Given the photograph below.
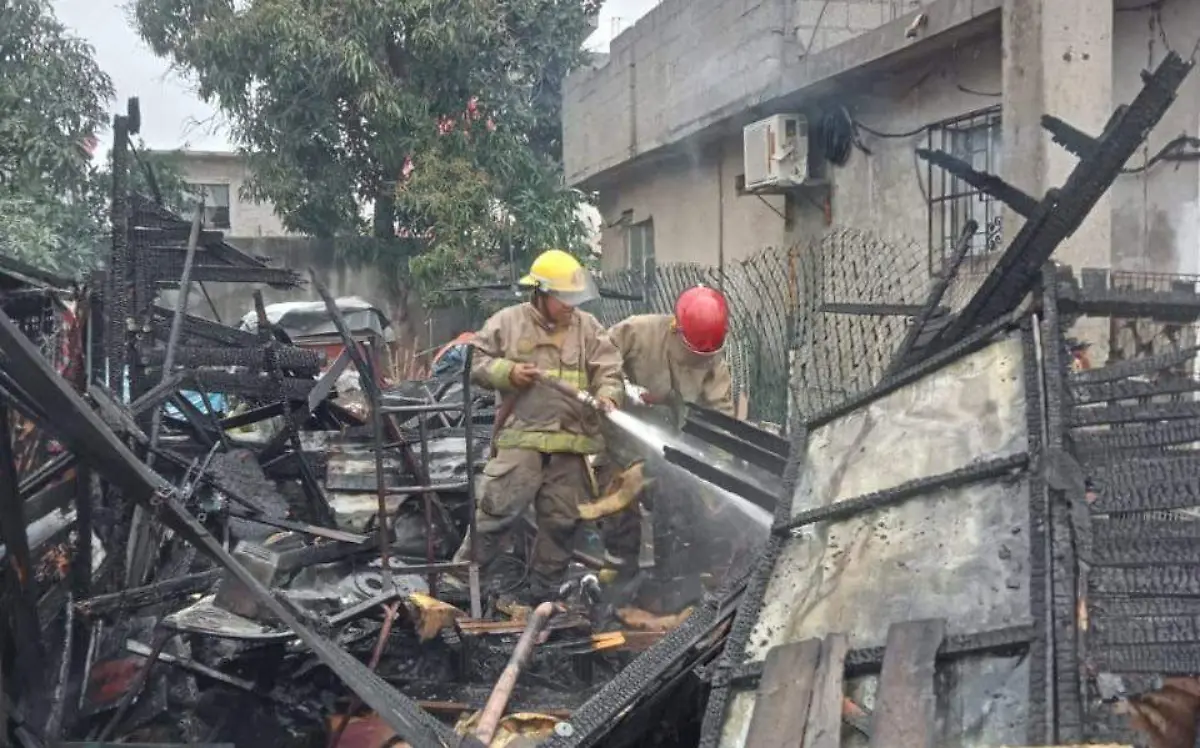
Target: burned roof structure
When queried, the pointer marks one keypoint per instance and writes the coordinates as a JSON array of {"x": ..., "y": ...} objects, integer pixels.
[{"x": 986, "y": 548}]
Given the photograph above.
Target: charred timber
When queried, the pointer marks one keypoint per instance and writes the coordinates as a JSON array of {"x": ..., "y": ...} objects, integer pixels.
[{"x": 295, "y": 359}]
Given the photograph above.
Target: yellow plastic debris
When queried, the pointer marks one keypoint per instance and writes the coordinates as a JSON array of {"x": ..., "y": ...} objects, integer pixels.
[
  {"x": 431, "y": 615},
  {"x": 628, "y": 484}
]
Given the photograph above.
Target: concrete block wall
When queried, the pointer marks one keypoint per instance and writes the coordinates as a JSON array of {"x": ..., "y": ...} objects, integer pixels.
[
  {"x": 683, "y": 65},
  {"x": 821, "y": 24},
  {"x": 688, "y": 63}
]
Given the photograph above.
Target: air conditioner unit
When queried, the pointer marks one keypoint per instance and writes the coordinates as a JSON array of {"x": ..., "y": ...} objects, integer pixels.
[{"x": 775, "y": 151}]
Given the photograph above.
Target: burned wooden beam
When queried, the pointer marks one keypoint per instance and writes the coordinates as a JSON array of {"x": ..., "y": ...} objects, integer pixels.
[{"x": 152, "y": 594}]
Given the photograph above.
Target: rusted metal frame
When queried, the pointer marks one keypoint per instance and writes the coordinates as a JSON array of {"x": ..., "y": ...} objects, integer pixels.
[
  {"x": 318, "y": 503},
  {"x": 974, "y": 473},
  {"x": 87, "y": 435},
  {"x": 366, "y": 374},
  {"x": 468, "y": 413},
  {"x": 1068, "y": 570},
  {"x": 21, "y": 583}
]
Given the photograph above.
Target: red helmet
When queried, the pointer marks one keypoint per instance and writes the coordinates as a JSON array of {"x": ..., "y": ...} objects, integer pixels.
[{"x": 702, "y": 319}]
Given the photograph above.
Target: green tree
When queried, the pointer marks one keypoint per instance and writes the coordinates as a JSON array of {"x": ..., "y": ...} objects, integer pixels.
[
  {"x": 53, "y": 100},
  {"x": 439, "y": 118}
]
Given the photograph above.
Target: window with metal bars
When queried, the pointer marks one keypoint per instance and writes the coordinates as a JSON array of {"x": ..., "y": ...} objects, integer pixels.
[
  {"x": 976, "y": 139},
  {"x": 639, "y": 248}
]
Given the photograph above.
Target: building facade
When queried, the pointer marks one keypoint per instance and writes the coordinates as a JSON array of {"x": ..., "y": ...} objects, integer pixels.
[
  {"x": 655, "y": 127},
  {"x": 220, "y": 176}
]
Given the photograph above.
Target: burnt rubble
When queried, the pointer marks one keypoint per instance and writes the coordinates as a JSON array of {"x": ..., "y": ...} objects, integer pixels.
[
  {"x": 220, "y": 535},
  {"x": 216, "y": 535}
]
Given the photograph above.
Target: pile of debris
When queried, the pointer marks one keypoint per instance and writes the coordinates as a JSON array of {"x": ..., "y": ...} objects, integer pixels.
[{"x": 220, "y": 535}]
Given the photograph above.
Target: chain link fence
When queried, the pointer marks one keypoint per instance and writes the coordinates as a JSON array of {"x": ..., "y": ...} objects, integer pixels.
[{"x": 812, "y": 325}]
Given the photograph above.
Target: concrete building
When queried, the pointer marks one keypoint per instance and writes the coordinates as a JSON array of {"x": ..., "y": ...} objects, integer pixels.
[
  {"x": 656, "y": 126},
  {"x": 221, "y": 175}
]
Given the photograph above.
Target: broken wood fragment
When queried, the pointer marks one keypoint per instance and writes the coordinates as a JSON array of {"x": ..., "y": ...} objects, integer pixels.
[
  {"x": 784, "y": 693},
  {"x": 904, "y": 712},
  {"x": 824, "y": 729}
]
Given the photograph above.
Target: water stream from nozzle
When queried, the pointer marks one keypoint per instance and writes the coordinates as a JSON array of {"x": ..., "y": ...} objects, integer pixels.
[{"x": 655, "y": 437}]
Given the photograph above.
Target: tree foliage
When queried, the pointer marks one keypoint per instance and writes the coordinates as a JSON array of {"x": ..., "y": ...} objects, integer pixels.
[
  {"x": 444, "y": 115},
  {"x": 53, "y": 99}
]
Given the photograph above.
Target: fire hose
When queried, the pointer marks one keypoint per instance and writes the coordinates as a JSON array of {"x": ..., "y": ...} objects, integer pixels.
[{"x": 493, "y": 711}]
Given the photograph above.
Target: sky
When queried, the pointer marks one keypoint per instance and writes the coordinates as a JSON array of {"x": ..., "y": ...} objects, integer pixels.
[{"x": 173, "y": 116}]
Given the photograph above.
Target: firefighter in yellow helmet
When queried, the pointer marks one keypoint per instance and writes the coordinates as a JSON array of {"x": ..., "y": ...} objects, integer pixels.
[{"x": 542, "y": 438}]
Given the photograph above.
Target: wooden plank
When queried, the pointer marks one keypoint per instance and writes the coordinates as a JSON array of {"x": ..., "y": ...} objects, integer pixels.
[
  {"x": 825, "y": 712},
  {"x": 904, "y": 712},
  {"x": 781, "y": 705}
]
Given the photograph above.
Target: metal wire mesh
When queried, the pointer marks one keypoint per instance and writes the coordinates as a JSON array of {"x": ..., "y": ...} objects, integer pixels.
[{"x": 784, "y": 342}]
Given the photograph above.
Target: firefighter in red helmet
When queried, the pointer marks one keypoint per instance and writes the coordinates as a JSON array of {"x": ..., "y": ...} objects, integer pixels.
[
  {"x": 669, "y": 359},
  {"x": 677, "y": 358}
]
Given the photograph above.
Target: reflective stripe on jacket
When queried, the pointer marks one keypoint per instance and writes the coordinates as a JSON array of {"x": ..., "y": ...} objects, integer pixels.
[
  {"x": 580, "y": 354},
  {"x": 655, "y": 358}
]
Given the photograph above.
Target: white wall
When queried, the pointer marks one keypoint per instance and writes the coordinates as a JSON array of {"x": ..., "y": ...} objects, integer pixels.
[{"x": 246, "y": 219}]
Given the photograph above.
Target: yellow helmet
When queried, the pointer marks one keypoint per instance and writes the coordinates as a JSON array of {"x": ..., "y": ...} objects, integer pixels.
[{"x": 560, "y": 275}]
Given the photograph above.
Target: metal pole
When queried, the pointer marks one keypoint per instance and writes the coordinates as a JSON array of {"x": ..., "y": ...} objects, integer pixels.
[
  {"x": 376, "y": 398},
  {"x": 185, "y": 287},
  {"x": 469, "y": 439}
]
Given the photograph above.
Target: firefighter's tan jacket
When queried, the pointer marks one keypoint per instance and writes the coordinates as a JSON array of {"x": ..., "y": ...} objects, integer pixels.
[
  {"x": 655, "y": 358},
  {"x": 580, "y": 354}
]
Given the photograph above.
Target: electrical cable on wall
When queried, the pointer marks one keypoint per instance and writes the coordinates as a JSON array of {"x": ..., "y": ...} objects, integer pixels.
[
  {"x": 840, "y": 133},
  {"x": 1172, "y": 151}
]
